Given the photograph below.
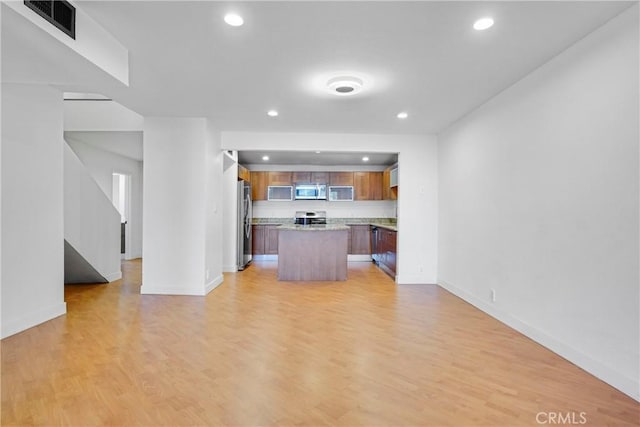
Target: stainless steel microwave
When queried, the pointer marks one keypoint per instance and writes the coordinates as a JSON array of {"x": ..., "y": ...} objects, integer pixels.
[{"x": 311, "y": 192}]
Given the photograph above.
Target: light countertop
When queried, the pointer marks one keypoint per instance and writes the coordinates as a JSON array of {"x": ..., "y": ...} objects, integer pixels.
[{"x": 314, "y": 227}]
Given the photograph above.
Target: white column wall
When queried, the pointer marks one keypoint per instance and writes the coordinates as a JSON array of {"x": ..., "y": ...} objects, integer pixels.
[
  {"x": 214, "y": 214},
  {"x": 539, "y": 202},
  {"x": 32, "y": 206},
  {"x": 230, "y": 218},
  {"x": 417, "y": 180},
  {"x": 175, "y": 198}
]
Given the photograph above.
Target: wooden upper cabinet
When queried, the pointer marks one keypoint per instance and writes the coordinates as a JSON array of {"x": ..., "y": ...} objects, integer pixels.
[
  {"x": 375, "y": 185},
  {"x": 340, "y": 178},
  {"x": 279, "y": 178},
  {"x": 301, "y": 177},
  {"x": 367, "y": 185},
  {"x": 388, "y": 193},
  {"x": 259, "y": 184},
  {"x": 361, "y": 186},
  {"x": 319, "y": 177},
  {"x": 243, "y": 173},
  {"x": 310, "y": 177}
]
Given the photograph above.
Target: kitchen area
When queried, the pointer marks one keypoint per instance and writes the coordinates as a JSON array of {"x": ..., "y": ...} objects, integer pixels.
[{"x": 331, "y": 214}]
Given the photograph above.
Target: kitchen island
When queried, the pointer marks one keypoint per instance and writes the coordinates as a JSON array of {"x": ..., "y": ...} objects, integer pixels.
[{"x": 312, "y": 252}]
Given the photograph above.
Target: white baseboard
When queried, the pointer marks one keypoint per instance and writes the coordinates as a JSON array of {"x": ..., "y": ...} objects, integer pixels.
[
  {"x": 230, "y": 268},
  {"x": 213, "y": 284},
  {"x": 627, "y": 385},
  {"x": 265, "y": 257},
  {"x": 413, "y": 279},
  {"x": 113, "y": 276},
  {"x": 358, "y": 258},
  {"x": 29, "y": 320}
]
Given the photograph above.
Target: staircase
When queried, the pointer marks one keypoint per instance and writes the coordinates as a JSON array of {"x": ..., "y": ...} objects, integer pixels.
[{"x": 91, "y": 227}]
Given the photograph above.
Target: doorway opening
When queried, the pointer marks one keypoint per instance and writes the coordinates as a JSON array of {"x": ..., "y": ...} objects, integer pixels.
[{"x": 121, "y": 199}]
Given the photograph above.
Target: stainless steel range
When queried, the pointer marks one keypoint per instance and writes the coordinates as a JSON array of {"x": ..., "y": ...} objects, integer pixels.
[{"x": 311, "y": 217}]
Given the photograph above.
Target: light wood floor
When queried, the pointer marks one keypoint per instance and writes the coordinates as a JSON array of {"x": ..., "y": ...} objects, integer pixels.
[{"x": 260, "y": 352}]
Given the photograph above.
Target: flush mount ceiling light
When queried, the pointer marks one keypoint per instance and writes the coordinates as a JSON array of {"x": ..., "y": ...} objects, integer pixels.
[
  {"x": 233, "y": 19},
  {"x": 272, "y": 113},
  {"x": 483, "y": 23},
  {"x": 402, "y": 115},
  {"x": 265, "y": 158},
  {"x": 345, "y": 85},
  {"x": 342, "y": 83},
  {"x": 365, "y": 159}
]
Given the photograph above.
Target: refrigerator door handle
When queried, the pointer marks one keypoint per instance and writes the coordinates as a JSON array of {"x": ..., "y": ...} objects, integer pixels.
[{"x": 248, "y": 216}]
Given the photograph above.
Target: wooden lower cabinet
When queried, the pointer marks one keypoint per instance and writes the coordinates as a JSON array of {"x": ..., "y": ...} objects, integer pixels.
[
  {"x": 386, "y": 253},
  {"x": 271, "y": 240},
  {"x": 265, "y": 239},
  {"x": 360, "y": 240}
]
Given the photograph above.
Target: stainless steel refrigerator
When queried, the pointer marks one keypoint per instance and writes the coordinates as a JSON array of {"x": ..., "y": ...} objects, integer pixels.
[{"x": 244, "y": 224}]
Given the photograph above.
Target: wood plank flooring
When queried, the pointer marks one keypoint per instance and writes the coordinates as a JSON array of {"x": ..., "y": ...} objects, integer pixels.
[{"x": 258, "y": 352}]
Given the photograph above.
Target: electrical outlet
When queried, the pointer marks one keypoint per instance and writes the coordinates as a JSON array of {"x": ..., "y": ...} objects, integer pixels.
[{"x": 493, "y": 295}]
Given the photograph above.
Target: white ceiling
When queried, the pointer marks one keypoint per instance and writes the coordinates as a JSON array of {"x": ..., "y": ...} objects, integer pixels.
[{"x": 424, "y": 57}]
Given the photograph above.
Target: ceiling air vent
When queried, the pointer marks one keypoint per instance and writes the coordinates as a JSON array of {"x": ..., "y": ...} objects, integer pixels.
[{"x": 59, "y": 12}]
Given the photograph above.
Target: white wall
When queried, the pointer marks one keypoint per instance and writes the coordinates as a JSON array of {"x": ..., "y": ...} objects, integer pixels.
[
  {"x": 178, "y": 215},
  {"x": 91, "y": 222},
  {"x": 32, "y": 210},
  {"x": 100, "y": 116},
  {"x": 101, "y": 165},
  {"x": 539, "y": 201},
  {"x": 417, "y": 179},
  {"x": 92, "y": 41}
]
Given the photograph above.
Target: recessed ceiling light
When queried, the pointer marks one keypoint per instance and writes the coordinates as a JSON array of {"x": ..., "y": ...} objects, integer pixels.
[
  {"x": 402, "y": 115},
  {"x": 317, "y": 152},
  {"x": 365, "y": 159},
  {"x": 272, "y": 113},
  {"x": 483, "y": 24},
  {"x": 233, "y": 19},
  {"x": 344, "y": 85},
  {"x": 265, "y": 158}
]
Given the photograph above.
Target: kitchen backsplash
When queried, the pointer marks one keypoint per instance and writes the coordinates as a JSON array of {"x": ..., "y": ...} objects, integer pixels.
[
  {"x": 357, "y": 209},
  {"x": 350, "y": 221}
]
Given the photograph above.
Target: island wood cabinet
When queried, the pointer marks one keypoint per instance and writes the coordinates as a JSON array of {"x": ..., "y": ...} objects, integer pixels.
[
  {"x": 312, "y": 254},
  {"x": 265, "y": 239}
]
